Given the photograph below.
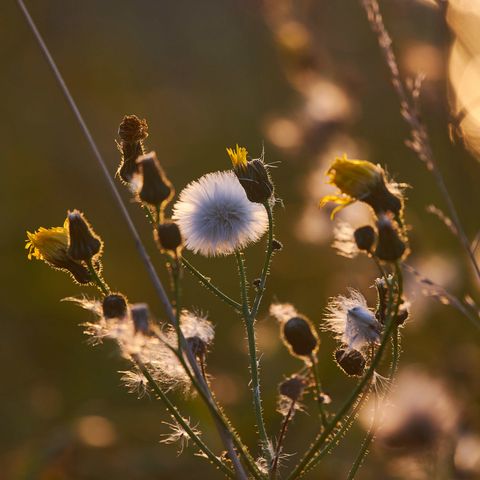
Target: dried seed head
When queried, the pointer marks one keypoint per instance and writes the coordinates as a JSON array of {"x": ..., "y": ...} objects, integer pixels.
[
  {"x": 365, "y": 238},
  {"x": 293, "y": 387},
  {"x": 114, "y": 306},
  {"x": 156, "y": 189},
  {"x": 141, "y": 317},
  {"x": 252, "y": 175},
  {"x": 299, "y": 336},
  {"x": 350, "y": 361},
  {"x": 390, "y": 247},
  {"x": 133, "y": 129},
  {"x": 84, "y": 244},
  {"x": 168, "y": 237}
]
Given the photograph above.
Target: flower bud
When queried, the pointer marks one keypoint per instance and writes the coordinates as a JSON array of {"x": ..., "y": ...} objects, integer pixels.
[
  {"x": 293, "y": 387},
  {"x": 132, "y": 132},
  {"x": 351, "y": 362},
  {"x": 390, "y": 247},
  {"x": 141, "y": 318},
  {"x": 168, "y": 237},
  {"x": 114, "y": 306},
  {"x": 156, "y": 188},
  {"x": 252, "y": 175},
  {"x": 364, "y": 238},
  {"x": 84, "y": 244},
  {"x": 299, "y": 336}
]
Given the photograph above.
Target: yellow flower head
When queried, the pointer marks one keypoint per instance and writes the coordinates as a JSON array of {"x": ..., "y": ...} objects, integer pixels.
[
  {"x": 48, "y": 244},
  {"x": 238, "y": 157},
  {"x": 360, "y": 180}
]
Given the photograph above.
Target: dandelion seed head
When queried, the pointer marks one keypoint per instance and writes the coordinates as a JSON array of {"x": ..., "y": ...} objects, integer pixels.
[
  {"x": 135, "y": 382},
  {"x": 352, "y": 322},
  {"x": 216, "y": 217},
  {"x": 194, "y": 324},
  {"x": 178, "y": 434}
]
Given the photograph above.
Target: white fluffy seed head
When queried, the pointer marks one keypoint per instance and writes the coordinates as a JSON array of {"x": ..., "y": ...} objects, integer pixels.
[
  {"x": 344, "y": 240},
  {"x": 283, "y": 311},
  {"x": 216, "y": 217},
  {"x": 196, "y": 325},
  {"x": 352, "y": 322}
]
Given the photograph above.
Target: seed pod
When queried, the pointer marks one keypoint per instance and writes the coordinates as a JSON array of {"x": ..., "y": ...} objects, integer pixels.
[
  {"x": 156, "y": 189},
  {"x": 299, "y": 336},
  {"x": 141, "y": 318},
  {"x": 390, "y": 246},
  {"x": 293, "y": 387},
  {"x": 351, "y": 362},
  {"x": 168, "y": 236},
  {"x": 365, "y": 238},
  {"x": 114, "y": 306},
  {"x": 84, "y": 244}
]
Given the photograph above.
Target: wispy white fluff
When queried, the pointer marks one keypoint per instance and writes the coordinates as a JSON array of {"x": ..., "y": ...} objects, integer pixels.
[
  {"x": 196, "y": 325},
  {"x": 344, "y": 240},
  {"x": 353, "y": 323},
  {"x": 216, "y": 217},
  {"x": 283, "y": 311}
]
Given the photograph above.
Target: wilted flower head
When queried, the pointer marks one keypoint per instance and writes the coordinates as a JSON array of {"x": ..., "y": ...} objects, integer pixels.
[
  {"x": 352, "y": 322},
  {"x": 215, "y": 216},
  {"x": 252, "y": 175},
  {"x": 418, "y": 413},
  {"x": 364, "y": 181},
  {"x": 168, "y": 238},
  {"x": 51, "y": 245}
]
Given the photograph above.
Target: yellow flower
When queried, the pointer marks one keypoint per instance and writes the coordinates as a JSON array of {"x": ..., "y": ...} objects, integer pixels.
[
  {"x": 51, "y": 246},
  {"x": 238, "y": 157},
  {"x": 360, "y": 180}
]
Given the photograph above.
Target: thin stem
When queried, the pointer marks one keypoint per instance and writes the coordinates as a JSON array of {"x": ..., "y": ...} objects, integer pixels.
[
  {"x": 207, "y": 283},
  {"x": 281, "y": 437},
  {"x": 252, "y": 350},
  {"x": 366, "y": 442},
  {"x": 99, "y": 282},
  {"x": 178, "y": 418},
  {"x": 157, "y": 284},
  {"x": 411, "y": 115},
  {"x": 318, "y": 389},
  {"x": 267, "y": 262}
]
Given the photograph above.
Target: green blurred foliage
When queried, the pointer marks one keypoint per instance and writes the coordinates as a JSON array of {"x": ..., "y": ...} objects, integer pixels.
[{"x": 205, "y": 76}]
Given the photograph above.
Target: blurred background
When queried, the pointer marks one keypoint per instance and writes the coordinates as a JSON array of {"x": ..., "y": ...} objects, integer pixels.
[{"x": 306, "y": 80}]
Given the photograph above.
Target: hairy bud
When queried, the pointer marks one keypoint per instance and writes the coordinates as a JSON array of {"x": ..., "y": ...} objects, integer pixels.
[
  {"x": 365, "y": 238},
  {"x": 390, "y": 247},
  {"x": 114, "y": 306},
  {"x": 293, "y": 387},
  {"x": 84, "y": 244},
  {"x": 299, "y": 336},
  {"x": 168, "y": 237},
  {"x": 156, "y": 188},
  {"x": 351, "y": 362}
]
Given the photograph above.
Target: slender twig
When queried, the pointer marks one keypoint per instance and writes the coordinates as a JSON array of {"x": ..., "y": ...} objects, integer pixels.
[
  {"x": 420, "y": 142},
  {"x": 318, "y": 389},
  {"x": 157, "y": 284},
  {"x": 252, "y": 350},
  {"x": 281, "y": 437}
]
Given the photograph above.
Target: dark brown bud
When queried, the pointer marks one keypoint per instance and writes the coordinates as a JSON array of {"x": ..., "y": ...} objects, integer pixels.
[
  {"x": 365, "y": 238},
  {"x": 168, "y": 237},
  {"x": 299, "y": 336},
  {"x": 114, "y": 306},
  {"x": 84, "y": 244},
  {"x": 156, "y": 188},
  {"x": 390, "y": 247},
  {"x": 141, "y": 317},
  {"x": 132, "y": 133},
  {"x": 350, "y": 361},
  {"x": 255, "y": 180},
  {"x": 276, "y": 245},
  {"x": 197, "y": 346},
  {"x": 293, "y": 387}
]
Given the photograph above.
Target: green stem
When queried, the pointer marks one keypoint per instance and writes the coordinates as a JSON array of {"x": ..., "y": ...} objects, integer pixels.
[
  {"x": 252, "y": 350},
  {"x": 266, "y": 265},
  {"x": 318, "y": 390},
  {"x": 99, "y": 282},
  {"x": 207, "y": 283},
  {"x": 178, "y": 417},
  {"x": 281, "y": 437}
]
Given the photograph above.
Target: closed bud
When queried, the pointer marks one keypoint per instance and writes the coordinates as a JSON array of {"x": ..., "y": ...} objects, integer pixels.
[
  {"x": 132, "y": 132},
  {"x": 252, "y": 175},
  {"x": 141, "y": 318},
  {"x": 365, "y": 238},
  {"x": 156, "y": 189},
  {"x": 351, "y": 362},
  {"x": 299, "y": 336},
  {"x": 114, "y": 306},
  {"x": 293, "y": 387},
  {"x": 84, "y": 244},
  {"x": 390, "y": 247},
  {"x": 168, "y": 237}
]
